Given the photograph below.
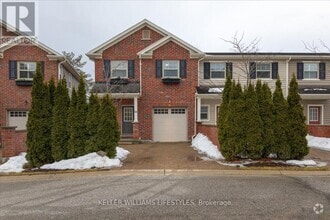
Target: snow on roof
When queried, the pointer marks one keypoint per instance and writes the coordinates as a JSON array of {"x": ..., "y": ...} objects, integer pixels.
[{"x": 215, "y": 90}]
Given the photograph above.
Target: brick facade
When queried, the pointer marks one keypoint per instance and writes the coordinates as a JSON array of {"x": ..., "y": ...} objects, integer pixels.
[
  {"x": 319, "y": 130},
  {"x": 12, "y": 141},
  {"x": 211, "y": 131}
]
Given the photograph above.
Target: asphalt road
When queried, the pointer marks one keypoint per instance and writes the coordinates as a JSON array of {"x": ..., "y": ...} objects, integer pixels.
[{"x": 102, "y": 195}]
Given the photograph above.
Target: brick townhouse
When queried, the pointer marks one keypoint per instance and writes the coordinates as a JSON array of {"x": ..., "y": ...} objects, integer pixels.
[
  {"x": 17, "y": 66},
  {"x": 167, "y": 90}
]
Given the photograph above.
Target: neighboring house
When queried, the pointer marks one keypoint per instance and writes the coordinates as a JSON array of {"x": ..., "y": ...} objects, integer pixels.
[
  {"x": 17, "y": 68},
  {"x": 167, "y": 90}
]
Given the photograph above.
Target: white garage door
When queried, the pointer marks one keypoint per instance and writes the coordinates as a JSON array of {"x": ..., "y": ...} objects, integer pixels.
[
  {"x": 170, "y": 124},
  {"x": 18, "y": 119}
]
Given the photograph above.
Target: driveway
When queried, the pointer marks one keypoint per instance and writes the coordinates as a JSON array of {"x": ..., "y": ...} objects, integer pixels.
[
  {"x": 165, "y": 156},
  {"x": 182, "y": 156}
]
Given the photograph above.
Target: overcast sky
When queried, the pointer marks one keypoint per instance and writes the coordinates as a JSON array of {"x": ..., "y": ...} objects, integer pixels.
[{"x": 282, "y": 26}]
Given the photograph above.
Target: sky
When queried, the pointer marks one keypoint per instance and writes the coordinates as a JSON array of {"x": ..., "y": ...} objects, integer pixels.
[{"x": 281, "y": 26}]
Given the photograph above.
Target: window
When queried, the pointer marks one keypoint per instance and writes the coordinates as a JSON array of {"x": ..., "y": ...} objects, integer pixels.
[
  {"x": 178, "y": 111},
  {"x": 119, "y": 68},
  {"x": 314, "y": 115},
  {"x": 26, "y": 70},
  {"x": 311, "y": 71},
  {"x": 170, "y": 69},
  {"x": 218, "y": 70},
  {"x": 145, "y": 35},
  {"x": 160, "y": 111},
  {"x": 128, "y": 115},
  {"x": 263, "y": 70},
  {"x": 204, "y": 112}
]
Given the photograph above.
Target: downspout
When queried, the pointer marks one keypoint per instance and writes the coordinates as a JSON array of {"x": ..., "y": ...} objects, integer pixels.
[
  {"x": 287, "y": 77},
  {"x": 195, "y": 124},
  {"x": 140, "y": 75},
  {"x": 59, "y": 68}
]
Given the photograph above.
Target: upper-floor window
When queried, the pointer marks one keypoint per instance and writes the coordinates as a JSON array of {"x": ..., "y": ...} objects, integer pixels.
[
  {"x": 171, "y": 69},
  {"x": 119, "y": 68},
  {"x": 218, "y": 70},
  {"x": 311, "y": 70},
  {"x": 26, "y": 70},
  {"x": 263, "y": 70}
]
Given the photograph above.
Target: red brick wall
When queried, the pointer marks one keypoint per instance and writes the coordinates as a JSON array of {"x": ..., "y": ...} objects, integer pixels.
[
  {"x": 126, "y": 49},
  {"x": 319, "y": 130},
  {"x": 12, "y": 141},
  {"x": 19, "y": 97},
  {"x": 211, "y": 131},
  {"x": 157, "y": 94}
]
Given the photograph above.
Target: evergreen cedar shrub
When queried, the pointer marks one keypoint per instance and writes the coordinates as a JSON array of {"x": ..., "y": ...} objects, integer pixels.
[
  {"x": 233, "y": 143},
  {"x": 223, "y": 110},
  {"x": 298, "y": 129},
  {"x": 92, "y": 123},
  {"x": 52, "y": 88},
  {"x": 253, "y": 146},
  {"x": 77, "y": 122},
  {"x": 281, "y": 124},
  {"x": 38, "y": 124},
  {"x": 265, "y": 103},
  {"x": 59, "y": 132},
  {"x": 108, "y": 130}
]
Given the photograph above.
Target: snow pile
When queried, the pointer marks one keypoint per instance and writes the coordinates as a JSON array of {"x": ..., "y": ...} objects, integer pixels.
[
  {"x": 14, "y": 164},
  {"x": 318, "y": 142},
  {"x": 88, "y": 161},
  {"x": 301, "y": 162},
  {"x": 215, "y": 90},
  {"x": 203, "y": 145}
]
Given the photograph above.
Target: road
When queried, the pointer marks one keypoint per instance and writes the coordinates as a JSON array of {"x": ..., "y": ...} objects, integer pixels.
[{"x": 103, "y": 195}]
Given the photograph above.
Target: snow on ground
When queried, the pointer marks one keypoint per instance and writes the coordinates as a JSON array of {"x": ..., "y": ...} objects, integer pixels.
[
  {"x": 301, "y": 162},
  {"x": 14, "y": 164},
  {"x": 203, "y": 145},
  {"x": 318, "y": 142},
  {"x": 88, "y": 161}
]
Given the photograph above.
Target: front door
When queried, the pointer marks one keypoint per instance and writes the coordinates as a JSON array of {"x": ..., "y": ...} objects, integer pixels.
[{"x": 127, "y": 119}]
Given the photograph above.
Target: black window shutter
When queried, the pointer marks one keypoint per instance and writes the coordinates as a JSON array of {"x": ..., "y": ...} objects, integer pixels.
[
  {"x": 274, "y": 70},
  {"x": 131, "y": 69},
  {"x": 207, "y": 70},
  {"x": 159, "y": 69},
  {"x": 300, "y": 70},
  {"x": 106, "y": 68},
  {"x": 42, "y": 67},
  {"x": 12, "y": 69},
  {"x": 229, "y": 70},
  {"x": 322, "y": 71},
  {"x": 252, "y": 69},
  {"x": 183, "y": 69}
]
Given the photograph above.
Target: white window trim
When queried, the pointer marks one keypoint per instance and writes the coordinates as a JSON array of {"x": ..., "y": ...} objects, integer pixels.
[
  {"x": 216, "y": 113},
  {"x": 19, "y": 70},
  {"x": 126, "y": 69},
  {"x": 321, "y": 116},
  {"x": 318, "y": 71},
  {"x": 146, "y": 38},
  {"x": 225, "y": 70},
  {"x": 122, "y": 116},
  {"x": 208, "y": 112},
  {"x": 176, "y": 77},
  {"x": 270, "y": 70}
]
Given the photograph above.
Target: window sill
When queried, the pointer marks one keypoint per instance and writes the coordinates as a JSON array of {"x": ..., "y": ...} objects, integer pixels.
[
  {"x": 24, "y": 82},
  {"x": 311, "y": 79},
  {"x": 171, "y": 80}
]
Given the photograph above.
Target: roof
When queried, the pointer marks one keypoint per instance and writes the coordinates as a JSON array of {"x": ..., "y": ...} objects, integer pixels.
[
  {"x": 269, "y": 53},
  {"x": 101, "y": 87},
  {"x": 97, "y": 52},
  {"x": 209, "y": 90},
  {"x": 316, "y": 89}
]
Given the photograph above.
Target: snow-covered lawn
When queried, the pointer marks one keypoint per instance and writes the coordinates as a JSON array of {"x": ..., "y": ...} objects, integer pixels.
[
  {"x": 203, "y": 145},
  {"x": 88, "y": 161},
  {"x": 318, "y": 142}
]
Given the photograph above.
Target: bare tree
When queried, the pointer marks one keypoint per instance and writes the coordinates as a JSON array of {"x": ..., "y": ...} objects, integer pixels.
[
  {"x": 248, "y": 52},
  {"x": 314, "y": 48}
]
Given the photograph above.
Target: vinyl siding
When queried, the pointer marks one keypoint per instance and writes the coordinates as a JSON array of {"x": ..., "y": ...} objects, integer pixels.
[
  {"x": 293, "y": 70},
  {"x": 211, "y": 103},
  {"x": 326, "y": 109}
]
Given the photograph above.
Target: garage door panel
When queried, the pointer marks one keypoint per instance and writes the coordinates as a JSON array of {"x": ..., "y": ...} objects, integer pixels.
[{"x": 170, "y": 125}]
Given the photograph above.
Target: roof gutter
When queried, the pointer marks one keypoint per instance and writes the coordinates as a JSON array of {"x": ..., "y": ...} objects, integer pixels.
[{"x": 287, "y": 77}]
